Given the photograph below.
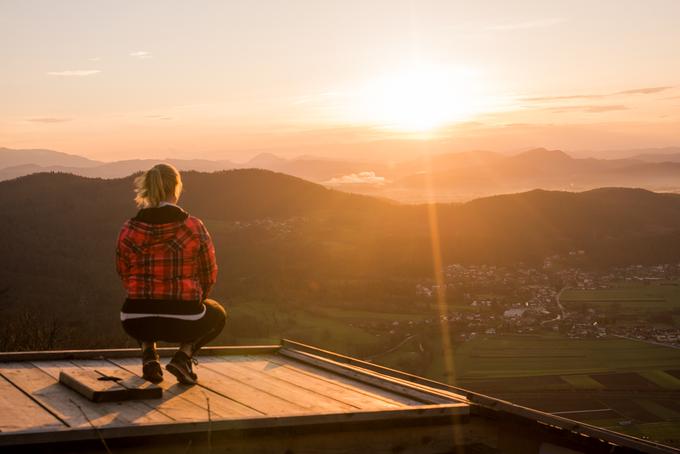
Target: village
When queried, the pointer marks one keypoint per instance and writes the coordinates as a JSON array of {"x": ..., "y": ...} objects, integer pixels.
[{"x": 490, "y": 300}]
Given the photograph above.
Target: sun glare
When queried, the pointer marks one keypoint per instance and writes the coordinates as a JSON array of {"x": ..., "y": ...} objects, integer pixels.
[{"x": 421, "y": 98}]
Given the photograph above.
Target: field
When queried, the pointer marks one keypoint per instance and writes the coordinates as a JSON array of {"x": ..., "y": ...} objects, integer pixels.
[
  {"x": 627, "y": 298},
  {"x": 620, "y": 384},
  {"x": 525, "y": 355}
]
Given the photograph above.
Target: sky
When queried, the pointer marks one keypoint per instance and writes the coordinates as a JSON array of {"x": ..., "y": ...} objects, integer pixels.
[{"x": 227, "y": 79}]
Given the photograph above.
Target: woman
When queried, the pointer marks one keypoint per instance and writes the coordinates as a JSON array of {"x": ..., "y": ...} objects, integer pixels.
[{"x": 166, "y": 260}]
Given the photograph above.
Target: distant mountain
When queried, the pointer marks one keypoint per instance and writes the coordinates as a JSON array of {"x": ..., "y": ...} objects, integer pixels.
[
  {"x": 32, "y": 161},
  {"x": 442, "y": 177},
  {"x": 539, "y": 168},
  {"x": 673, "y": 155},
  {"x": 633, "y": 153},
  {"x": 15, "y": 163},
  {"x": 43, "y": 158}
]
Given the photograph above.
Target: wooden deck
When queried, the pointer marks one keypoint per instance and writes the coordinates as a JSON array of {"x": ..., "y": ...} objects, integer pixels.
[
  {"x": 240, "y": 388},
  {"x": 289, "y": 399}
]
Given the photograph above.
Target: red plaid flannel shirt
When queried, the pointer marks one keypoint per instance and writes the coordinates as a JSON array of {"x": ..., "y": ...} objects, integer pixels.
[{"x": 173, "y": 261}]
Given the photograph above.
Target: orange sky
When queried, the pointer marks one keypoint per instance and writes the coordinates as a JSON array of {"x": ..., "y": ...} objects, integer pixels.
[{"x": 353, "y": 78}]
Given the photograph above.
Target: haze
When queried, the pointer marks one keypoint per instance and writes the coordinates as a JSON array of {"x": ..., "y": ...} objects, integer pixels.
[{"x": 117, "y": 80}]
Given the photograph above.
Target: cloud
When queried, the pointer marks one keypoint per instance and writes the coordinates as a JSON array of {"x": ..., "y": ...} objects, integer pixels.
[
  {"x": 562, "y": 98},
  {"x": 74, "y": 72},
  {"x": 590, "y": 108},
  {"x": 95, "y": 59},
  {"x": 643, "y": 91},
  {"x": 48, "y": 120},
  {"x": 634, "y": 91},
  {"x": 368, "y": 177},
  {"x": 141, "y": 54},
  {"x": 526, "y": 25}
]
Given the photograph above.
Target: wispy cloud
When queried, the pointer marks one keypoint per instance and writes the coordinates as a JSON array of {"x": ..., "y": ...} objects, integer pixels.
[
  {"x": 141, "y": 54},
  {"x": 48, "y": 120},
  {"x": 74, "y": 72},
  {"x": 526, "y": 25},
  {"x": 643, "y": 91},
  {"x": 590, "y": 108},
  {"x": 634, "y": 91},
  {"x": 95, "y": 59}
]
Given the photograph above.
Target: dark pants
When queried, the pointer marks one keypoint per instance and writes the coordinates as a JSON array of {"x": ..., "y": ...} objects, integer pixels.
[{"x": 196, "y": 332}]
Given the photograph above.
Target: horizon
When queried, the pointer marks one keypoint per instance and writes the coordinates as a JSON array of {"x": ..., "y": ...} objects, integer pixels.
[{"x": 227, "y": 81}]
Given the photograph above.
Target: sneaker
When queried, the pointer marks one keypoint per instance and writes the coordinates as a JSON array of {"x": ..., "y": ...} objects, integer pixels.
[
  {"x": 151, "y": 366},
  {"x": 181, "y": 367}
]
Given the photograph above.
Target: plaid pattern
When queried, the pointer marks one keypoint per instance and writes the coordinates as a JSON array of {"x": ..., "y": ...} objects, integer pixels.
[{"x": 172, "y": 261}]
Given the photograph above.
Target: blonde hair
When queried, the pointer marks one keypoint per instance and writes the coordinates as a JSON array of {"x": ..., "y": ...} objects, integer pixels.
[{"x": 156, "y": 185}]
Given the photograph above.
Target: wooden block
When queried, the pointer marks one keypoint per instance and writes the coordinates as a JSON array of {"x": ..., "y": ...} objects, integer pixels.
[{"x": 100, "y": 387}]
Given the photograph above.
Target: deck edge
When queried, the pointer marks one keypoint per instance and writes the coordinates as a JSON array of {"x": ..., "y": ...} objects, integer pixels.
[
  {"x": 55, "y": 355},
  {"x": 445, "y": 412}
]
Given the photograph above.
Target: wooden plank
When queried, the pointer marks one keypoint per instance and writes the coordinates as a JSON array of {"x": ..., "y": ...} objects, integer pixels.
[
  {"x": 113, "y": 386},
  {"x": 220, "y": 406},
  {"x": 404, "y": 377},
  {"x": 60, "y": 401},
  {"x": 262, "y": 401},
  {"x": 70, "y": 403},
  {"x": 290, "y": 425},
  {"x": 313, "y": 383},
  {"x": 63, "y": 355},
  {"x": 339, "y": 380},
  {"x": 176, "y": 409},
  {"x": 381, "y": 381},
  {"x": 310, "y": 400},
  {"x": 88, "y": 383},
  {"x": 20, "y": 413}
]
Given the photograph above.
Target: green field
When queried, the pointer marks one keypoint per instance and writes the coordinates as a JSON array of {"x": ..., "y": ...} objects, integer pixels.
[
  {"x": 525, "y": 355},
  {"x": 627, "y": 297}
]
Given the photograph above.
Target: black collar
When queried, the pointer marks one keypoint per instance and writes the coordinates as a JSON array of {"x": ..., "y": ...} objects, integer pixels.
[{"x": 161, "y": 215}]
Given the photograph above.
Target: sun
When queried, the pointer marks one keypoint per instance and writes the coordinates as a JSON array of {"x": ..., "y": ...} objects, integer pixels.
[{"x": 420, "y": 98}]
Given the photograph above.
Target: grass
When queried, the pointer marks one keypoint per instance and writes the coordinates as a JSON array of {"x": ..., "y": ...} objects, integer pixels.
[
  {"x": 661, "y": 378},
  {"x": 312, "y": 326},
  {"x": 658, "y": 410},
  {"x": 664, "y": 432},
  {"x": 528, "y": 355},
  {"x": 584, "y": 382},
  {"x": 629, "y": 297}
]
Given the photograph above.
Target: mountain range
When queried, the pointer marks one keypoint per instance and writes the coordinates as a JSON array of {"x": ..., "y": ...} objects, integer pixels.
[{"x": 444, "y": 177}]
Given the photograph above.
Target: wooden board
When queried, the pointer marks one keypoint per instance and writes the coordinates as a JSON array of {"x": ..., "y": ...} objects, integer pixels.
[
  {"x": 176, "y": 409},
  {"x": 389, "y": 383},
  {"x": 309, "y": 400},
  {"x": 71, "y": 404},
  {"x": 339, "y": 380},
  {"x": 264, "y": 402},
  {"x": 18, "y": 412},
  {"x": 314, "y": 385},
  {"x": 69, "y": 355},
  {"x": 207, "y": 400},
  {"x": 93, "y": 386}
]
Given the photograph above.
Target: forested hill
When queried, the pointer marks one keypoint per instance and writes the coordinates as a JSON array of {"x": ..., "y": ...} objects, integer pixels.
[{"x": 285, "y": 240}]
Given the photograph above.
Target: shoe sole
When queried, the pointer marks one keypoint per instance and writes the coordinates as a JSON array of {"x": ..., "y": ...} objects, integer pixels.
[
  {"x": 181, "y": 376},
  {"x": 152, "y": 372}
]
